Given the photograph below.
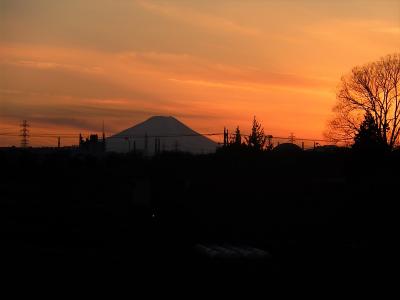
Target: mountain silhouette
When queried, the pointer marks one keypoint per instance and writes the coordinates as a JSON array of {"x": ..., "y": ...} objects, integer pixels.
[{"x": 160, "y": 133}]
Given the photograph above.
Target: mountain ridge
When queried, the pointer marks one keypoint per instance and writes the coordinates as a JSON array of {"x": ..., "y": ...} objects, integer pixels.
[{"x": 173, "y": 135}]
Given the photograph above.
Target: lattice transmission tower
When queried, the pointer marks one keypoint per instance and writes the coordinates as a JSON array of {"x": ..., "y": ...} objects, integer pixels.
[
  {"x": 24, "y": 134},
  {"x": 292, "y": 138}
]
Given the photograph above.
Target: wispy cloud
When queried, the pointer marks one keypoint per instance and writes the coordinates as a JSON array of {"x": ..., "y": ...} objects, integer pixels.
[
  {"x": 253, "y": 86},
  {"x": 197, "y": 19},
  {"x": 53, "y": 65},
  {"x": 388, "y": 29},
  {"x": 137, "y": 84}
]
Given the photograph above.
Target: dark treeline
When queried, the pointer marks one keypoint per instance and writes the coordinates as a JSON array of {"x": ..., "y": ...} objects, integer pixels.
[{"x": 312, "y": 211}]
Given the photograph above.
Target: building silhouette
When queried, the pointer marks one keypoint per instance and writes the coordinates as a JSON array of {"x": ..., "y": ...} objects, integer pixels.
[{"x": 92, "y": 144}]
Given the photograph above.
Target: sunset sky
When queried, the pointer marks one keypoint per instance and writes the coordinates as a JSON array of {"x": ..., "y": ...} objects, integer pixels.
[{"x": 67, "y": 66}]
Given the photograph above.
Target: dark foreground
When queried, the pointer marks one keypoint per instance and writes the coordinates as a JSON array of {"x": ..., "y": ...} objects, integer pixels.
[{"x": 271, "y": 215}]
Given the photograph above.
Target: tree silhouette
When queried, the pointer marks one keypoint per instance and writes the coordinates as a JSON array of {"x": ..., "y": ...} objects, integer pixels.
[
  {"x": 237, "y": 138},
  {"x": 374, "y": 89},
  {"x": 367, "y": 138},
  {"x": 257, "y": 138}
]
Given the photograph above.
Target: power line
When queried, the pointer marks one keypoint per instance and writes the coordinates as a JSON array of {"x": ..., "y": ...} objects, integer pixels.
[
  {"x": 55, "y": 135},
  {"x": 25, "y": 135}
]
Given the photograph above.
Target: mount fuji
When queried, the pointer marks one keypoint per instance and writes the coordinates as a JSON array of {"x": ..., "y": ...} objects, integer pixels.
[{"x": 160, "y": 133}]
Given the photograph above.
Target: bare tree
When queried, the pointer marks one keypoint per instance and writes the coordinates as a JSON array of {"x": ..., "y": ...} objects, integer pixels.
[{"x": 369, "y": 89}]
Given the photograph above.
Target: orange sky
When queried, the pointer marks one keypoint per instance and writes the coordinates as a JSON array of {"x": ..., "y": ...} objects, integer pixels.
[{"x": 66, "y": 66}]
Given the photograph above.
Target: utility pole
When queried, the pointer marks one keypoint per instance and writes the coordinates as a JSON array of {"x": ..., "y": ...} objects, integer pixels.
[
  {"x": 24, "y": 134},
  {"x": 146, "y": 144},
  {"x": 226, "y": 139},
  {"x": 270, "y": 145},
  {"x": 59, "y": 142},
  {"x": 104, "y": 138},
  {"x": 156, "y": 145}
]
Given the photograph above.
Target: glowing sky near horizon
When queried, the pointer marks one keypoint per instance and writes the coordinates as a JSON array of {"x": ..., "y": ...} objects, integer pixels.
[{"x": 66, "y": 66}]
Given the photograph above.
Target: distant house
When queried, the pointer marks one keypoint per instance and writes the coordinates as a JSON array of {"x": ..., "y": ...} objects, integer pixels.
[
  {"x": 92, "y": 144},
  {"x": 287, "y": 148}
]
